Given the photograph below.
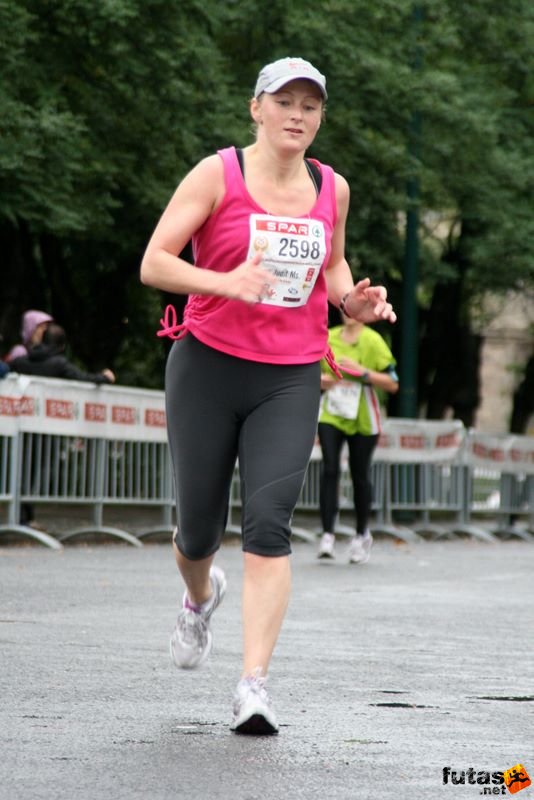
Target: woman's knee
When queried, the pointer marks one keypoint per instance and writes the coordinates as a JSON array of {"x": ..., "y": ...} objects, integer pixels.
[
  {"x": 330, "y": 470},
  {"x": 195, "y": 548},
  {"x": 266, "y": 530}
]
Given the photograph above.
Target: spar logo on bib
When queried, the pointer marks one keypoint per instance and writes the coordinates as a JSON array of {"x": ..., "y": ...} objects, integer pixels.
[{"x": 280, "y": 226}]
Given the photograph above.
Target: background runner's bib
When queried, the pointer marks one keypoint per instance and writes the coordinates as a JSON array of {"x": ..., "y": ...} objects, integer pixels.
[
  {"x": 343, "y": 399},
  {"x": 293, "y": 250}
]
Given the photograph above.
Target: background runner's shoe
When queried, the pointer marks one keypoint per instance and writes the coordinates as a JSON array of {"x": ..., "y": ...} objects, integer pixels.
[
  {"x": 326, "y": 546},
  {"x": 252, "y": 708},
  {"x": 360, "y": 548},
  {"x": 191, "y": 640}
]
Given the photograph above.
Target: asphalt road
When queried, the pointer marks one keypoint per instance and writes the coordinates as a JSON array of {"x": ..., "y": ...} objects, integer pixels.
[{"x": 385, "y": 676}]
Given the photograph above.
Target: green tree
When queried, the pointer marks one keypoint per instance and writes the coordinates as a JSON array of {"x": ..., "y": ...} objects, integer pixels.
[
  {"x": 478, "y": 163},
  {"x": 104, "y": 110}
]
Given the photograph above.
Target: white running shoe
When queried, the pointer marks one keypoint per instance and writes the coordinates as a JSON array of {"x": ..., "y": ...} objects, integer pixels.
[
  {"x": 326, "y": 546},
  {"x": 360, "y": 548},
  {"x": 191, "y": 639},
  {"x": 252, "y": 708}
]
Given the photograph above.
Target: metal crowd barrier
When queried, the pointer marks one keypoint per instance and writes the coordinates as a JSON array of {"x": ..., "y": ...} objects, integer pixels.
[
  {"x": 69, "y": 443},
  {"x": 498, "y": 472}
]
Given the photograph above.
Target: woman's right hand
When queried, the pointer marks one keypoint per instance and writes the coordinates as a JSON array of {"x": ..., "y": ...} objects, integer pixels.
[
  {"x": 327, "y": 381},
  {"x": 248, "y": 281}
]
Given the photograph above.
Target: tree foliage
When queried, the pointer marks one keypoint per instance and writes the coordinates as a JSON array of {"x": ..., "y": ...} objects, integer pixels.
[{"x": 106, "y": 106}]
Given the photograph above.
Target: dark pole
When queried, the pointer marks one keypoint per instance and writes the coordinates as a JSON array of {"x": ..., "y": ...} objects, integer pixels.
[{"x": 408, "y": 362}]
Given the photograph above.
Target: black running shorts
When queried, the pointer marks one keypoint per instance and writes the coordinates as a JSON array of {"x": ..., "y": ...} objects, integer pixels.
[{"x": 219, "y": 409}]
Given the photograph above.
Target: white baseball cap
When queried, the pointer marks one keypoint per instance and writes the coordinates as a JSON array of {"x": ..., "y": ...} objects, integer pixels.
[{"x": 273, "y": 76}]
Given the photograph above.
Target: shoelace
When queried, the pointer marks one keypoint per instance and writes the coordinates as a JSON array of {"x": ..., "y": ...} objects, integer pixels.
[
  {"x": 337, "y": 369},
  {"x": 255, "y": 682},
  {"x": 174, "y": 330},
  {"x": 192, "y": 627},
  {"x": 170, "y": 326}
]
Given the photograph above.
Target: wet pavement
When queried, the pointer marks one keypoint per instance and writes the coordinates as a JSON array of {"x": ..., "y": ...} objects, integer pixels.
[{"x": 385, "y": 675}]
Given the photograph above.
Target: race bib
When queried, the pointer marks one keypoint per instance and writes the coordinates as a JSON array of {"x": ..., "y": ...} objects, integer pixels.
[
  {"x": 293, "y": 250},
  {"x": 343, "y": 399}
]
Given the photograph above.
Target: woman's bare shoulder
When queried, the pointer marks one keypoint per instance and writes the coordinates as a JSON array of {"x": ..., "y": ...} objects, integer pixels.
[
  {"x": 209, "y": 168},
  {"x": 342, "y": 194},
  {"x": 342, "y": 185},
  {"x": 204, "y": 184}
]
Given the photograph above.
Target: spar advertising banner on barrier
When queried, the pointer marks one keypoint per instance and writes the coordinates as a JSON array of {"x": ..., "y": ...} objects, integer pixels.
[
  {"x": 70, "y": 408},
  {"x": 504, "y": 453},
  {"x": 409, "y": 441}
]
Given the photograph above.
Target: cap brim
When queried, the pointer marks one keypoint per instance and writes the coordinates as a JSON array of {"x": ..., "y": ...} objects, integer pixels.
[{"x": 276, "y": 85}]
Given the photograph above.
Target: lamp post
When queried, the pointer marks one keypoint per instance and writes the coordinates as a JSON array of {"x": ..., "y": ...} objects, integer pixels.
[{"x": 408, "y": 361}]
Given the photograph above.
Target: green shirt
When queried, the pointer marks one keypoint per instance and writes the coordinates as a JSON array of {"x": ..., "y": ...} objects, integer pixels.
[{"x": 371, "y": 351}]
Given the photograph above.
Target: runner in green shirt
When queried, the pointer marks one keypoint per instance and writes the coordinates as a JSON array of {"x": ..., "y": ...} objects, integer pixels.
[{"x": 350, "y": 412}]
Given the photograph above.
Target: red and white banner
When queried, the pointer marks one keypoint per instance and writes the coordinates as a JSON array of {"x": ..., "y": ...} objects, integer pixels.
[
  {"x": 70, "y": 408},
  {"x": 505, "y": 453},
  {"x": 409, "y": 441}
]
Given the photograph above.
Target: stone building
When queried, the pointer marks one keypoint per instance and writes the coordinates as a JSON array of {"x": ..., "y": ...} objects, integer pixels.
[{"x": 508, "y": 344}]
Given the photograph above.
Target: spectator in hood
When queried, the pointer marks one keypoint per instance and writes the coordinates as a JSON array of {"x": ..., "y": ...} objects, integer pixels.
[
  {"x": 48, "y": 360},
  {"x": 34, "y": 324}
]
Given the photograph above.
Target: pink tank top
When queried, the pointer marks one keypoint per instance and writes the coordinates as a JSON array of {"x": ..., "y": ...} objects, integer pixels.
[{"x": 276, "y": 334}]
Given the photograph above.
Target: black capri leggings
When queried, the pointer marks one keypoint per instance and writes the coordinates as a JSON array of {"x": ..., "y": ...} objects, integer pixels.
[
  {"x": 360, "y": 453},
  {"x": 220, "y": 408}
]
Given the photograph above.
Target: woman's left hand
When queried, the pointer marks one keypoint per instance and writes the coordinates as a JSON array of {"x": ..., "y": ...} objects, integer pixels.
[
  {"x": 349, "y": 364},
  {"x": 369, "y": 303}
]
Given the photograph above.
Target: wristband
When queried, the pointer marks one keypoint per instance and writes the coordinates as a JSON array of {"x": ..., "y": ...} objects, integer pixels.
[
  {"x": 365, "y": 378},
  {"x": 342, "y": 304}
]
